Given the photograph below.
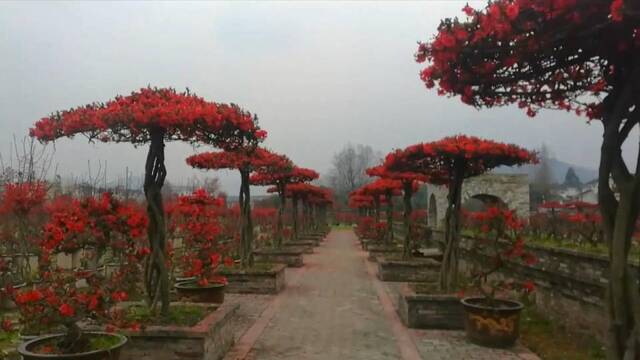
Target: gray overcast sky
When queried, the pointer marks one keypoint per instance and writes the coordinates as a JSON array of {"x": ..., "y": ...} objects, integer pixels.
[{"x": 318, "y": 74}]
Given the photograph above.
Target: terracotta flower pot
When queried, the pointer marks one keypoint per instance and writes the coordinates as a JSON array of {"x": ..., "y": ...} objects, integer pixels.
[
  {"x": 493, "y": 325},
  {"x": 191, "y": 291},
  {"x": 113, "y": 353}
]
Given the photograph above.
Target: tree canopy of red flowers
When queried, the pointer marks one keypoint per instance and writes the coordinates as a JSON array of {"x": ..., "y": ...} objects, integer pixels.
[
  {"x": 155, "y": 115},
  {"x": 252, "y": 160},
  {"x": 456, "y": 157},
  {"x": 559, "y": 54},
  {"x": 132, "y": 118}
]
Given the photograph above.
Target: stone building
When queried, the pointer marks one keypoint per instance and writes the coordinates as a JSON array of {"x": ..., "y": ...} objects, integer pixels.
[{"x": 510, "y": 190}]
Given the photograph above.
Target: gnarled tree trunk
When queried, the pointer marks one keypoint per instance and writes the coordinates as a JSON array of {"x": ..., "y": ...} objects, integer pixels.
[
  {"x": 294, "y": 202},
  {"x": 389, "y": 218},
  {"x": 246, "y": 223},
  {"x": 408, "y": 243},
  {"x": 156, "y": 274},
  {"x": 449, "y": 267},
  {"x": 280, "y": 223},
  {"x": 619, "y": 216}
]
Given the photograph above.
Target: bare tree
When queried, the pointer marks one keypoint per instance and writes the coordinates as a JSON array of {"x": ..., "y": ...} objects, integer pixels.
[
  {"x": 543, "y": 178},
  {"x": 28, "y": 161},
  {"x": 349, "y": 165}
]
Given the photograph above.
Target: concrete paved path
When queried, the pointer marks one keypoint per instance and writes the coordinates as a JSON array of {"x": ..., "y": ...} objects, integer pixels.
[{"x": 335, "y": 308}]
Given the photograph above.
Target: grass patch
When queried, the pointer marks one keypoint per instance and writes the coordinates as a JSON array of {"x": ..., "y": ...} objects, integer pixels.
[
  {"x": 103, "y": 342},
  {"x": 180, "y": 315},
  {"x": 555, "y": 342},
  {"x": 256, "y": 268}
]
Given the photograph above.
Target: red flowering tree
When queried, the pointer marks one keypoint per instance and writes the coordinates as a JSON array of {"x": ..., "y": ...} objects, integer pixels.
[
  {"x": 386, "y": 189},
  {"x": 448, "y": 162},
  {"x": 196, "y": 218},
  {"x": 564, "y": 55},
  {"x": 154, "y": 116},
  {"x": 281, "y": 177},
  {"x": 409, "y": 180},
  {"x": 245, "y": 160}
]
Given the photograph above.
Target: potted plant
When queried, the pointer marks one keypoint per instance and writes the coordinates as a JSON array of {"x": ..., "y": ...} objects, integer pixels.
[
  {"x": 66, "y": 298},
  {"x": 490, "y": 319},
  {"x": 196, "y": 218},
  {"x": 59, "y": 303}
]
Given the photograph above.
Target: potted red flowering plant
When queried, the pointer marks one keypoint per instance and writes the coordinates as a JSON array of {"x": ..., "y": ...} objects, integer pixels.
[
  {"x": 66, "y": 297},
  {"x": 492, "y": 320},
  {"x": 196, "y": 218}
]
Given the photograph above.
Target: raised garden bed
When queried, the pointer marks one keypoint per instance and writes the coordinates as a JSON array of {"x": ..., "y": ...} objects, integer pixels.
[
  {"x": 292, "y": 257},
  {"x": 429, "y": 310},
  {"x": 410, "y": 270},
  {"x": 262, "y": 278},
  {"x": 198, "y": 332}
]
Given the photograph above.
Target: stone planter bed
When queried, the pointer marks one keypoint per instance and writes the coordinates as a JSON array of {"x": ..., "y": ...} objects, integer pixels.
[
  {"x": 209, "y": 339},
  {"x": 292, "y": 257},
  {"x": 410, "y": 270},
  {"x": 261, "y": 279},
  {"x": 430, "y": 311},
  {"x": 376, "y": 251}
]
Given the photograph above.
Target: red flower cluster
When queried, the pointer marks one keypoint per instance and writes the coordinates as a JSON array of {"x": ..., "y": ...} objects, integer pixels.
[
  {"x": 195, "y": 218},
  {"x": 21, "y": 198}
]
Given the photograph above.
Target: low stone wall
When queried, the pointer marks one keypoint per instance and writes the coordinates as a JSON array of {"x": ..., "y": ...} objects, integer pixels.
[
  {"x": 210, "y": 339},
  {"x": 414, "y": 270},
  {"x": 570, "y": 285},
  {"x": 270, "y": 281},
  {"x": 424, "y": 311}
]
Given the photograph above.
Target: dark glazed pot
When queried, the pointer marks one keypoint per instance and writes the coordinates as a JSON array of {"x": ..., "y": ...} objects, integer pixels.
[
  {"x": 112, "y": 353},
  {"x": 496, "y": 325},
  {"x": 191, "y": 291}
]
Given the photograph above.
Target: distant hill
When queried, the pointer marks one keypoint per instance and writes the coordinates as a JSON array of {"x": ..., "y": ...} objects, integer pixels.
[{"x": 558, "y": 171}]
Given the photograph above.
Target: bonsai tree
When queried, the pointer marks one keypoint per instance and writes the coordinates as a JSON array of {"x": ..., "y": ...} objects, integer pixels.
[
  {"x": 409, "y": 180},
  {"x": 281, "y": 178},
  {"x": 245, "y": 160},
  {"x": 448, "y": 162},
  {"x": 196, "y": 218},
  {"x": 153, "y": 116}
]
